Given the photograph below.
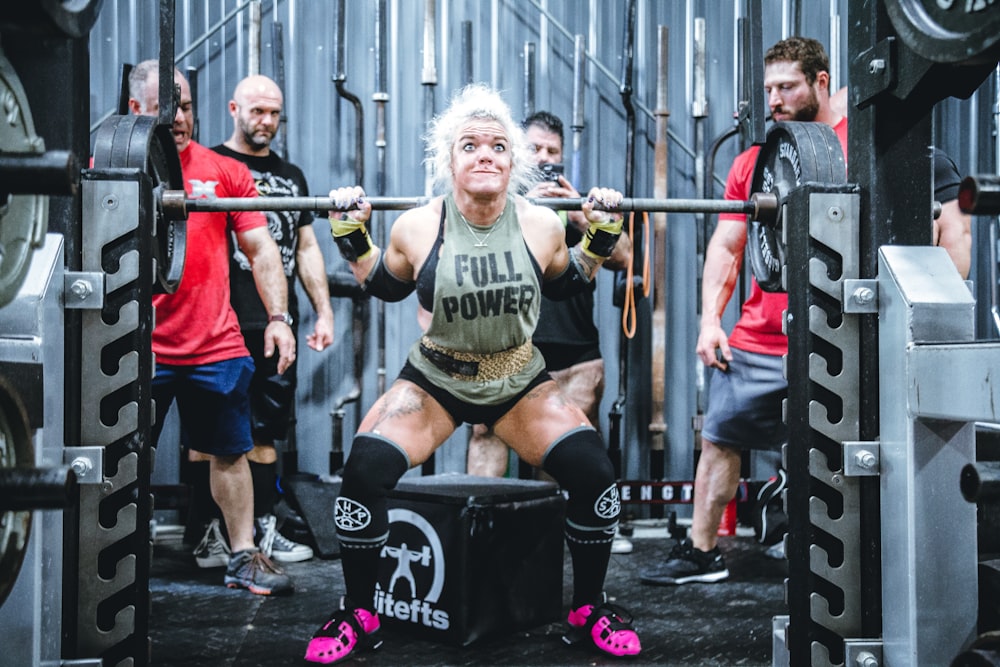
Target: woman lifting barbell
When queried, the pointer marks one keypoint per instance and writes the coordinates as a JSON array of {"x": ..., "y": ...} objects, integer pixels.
[{"x": 479, "y": 257}]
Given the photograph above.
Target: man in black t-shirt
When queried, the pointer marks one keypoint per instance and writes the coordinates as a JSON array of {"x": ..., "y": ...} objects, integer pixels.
[{"x": 256, "y": 110}]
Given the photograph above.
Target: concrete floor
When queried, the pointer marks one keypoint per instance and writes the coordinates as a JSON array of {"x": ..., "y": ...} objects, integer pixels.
[{"x": 196, "y": 621}]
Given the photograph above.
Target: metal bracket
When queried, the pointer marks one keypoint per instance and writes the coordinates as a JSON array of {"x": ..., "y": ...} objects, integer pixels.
[
  {"x": 874, "y": 72},
  {"x": 860, "y": 296},
  {"x": 83, "y": 290},
  {"x": 86, "y": 462},
  {"x": 779, "y": 641},
  {"x": 861, "y": 458},
  {"x": 862, "y": 653}
]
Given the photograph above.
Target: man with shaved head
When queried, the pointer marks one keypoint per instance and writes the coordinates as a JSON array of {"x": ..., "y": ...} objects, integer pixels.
[{"x": 256, "y": 110}]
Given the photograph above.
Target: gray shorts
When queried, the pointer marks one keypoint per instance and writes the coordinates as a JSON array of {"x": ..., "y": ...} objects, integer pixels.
[{"x": 744, "y": 403}]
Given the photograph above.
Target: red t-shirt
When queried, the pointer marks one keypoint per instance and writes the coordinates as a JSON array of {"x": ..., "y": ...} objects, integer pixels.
[
  {"x": 759, "y": 327},
  {"x": 196, "y": 324}
]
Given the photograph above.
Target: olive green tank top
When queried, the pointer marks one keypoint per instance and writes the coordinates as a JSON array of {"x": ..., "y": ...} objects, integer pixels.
[{"x": 487, "y": 294}]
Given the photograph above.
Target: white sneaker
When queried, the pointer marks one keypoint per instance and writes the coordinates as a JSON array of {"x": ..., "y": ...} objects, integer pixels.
[
  {"x": 212, "y": 551},
  {"x": 277, "y": 546},
  {"x": 776, "y": 551},
  {"x": 621, "y": 544}
]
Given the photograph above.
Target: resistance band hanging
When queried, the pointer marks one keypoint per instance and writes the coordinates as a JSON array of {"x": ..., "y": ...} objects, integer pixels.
[{"x": 629, "y": 309}]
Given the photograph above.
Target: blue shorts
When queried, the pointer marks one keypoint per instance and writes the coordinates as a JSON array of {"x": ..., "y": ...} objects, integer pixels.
[
  {"x": 212, "y": 401},
  {"x": 744, "y": 403}
]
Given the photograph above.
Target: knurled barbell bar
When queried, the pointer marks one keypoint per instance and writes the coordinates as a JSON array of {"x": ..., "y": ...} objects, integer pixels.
[{"x": 176, "y": 203}]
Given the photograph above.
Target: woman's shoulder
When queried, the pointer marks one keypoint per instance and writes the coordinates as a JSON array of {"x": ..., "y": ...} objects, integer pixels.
[
  {"x": 533, "y": 216},
  {"x": 419, "y": 221}
]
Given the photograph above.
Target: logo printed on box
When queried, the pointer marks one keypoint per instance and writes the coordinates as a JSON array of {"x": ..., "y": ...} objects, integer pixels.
[{"x": 417, "y": 570}]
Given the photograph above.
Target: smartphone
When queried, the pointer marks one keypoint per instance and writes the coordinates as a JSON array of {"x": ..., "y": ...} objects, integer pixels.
[{"x": 551, "y": 172}]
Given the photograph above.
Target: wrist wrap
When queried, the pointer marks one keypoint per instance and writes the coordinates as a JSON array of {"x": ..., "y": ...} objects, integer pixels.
[
  {"x": 599, "y": 242},
  {"x": 355, "y": 244}
]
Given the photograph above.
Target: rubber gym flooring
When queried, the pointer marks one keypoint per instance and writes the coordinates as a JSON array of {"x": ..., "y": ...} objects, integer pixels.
[{"x": 197, "y": 621}]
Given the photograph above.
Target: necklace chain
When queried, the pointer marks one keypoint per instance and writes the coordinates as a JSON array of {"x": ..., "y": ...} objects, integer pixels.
[{"x": 481, "y": 242}]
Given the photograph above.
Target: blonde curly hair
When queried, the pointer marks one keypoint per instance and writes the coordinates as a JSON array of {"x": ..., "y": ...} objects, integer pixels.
[{"x": 476, "y": 101}]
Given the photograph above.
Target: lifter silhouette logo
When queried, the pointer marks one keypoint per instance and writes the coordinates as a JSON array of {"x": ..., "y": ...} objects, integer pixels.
[{"x": 413, "y": 559}]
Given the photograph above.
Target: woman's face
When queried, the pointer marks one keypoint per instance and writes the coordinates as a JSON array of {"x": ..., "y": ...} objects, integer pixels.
[{"x": 481, "y": 158}]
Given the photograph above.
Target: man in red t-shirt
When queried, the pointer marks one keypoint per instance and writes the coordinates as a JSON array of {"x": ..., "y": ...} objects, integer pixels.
[
  {"x": 748, "y": 385},
  {"x": 201, "y": 359}
]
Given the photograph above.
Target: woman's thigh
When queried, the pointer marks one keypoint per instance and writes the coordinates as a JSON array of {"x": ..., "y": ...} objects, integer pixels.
[
  {"x": 540, "y": 418},
  {"x": 410, "y": 417}
]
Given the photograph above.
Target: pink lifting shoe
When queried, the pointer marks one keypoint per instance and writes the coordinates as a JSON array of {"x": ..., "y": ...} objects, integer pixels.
[
  {"x": 349, "y": 628},
  {"x": 608, "y": 625}
]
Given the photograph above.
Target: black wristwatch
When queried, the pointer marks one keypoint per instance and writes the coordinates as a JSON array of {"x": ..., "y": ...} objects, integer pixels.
[{"x": 283, "y": 317}]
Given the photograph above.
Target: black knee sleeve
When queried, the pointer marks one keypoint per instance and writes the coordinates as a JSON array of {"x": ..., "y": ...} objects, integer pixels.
[
  {"x": 372, "y": 469},
  {"x": 579, "y": 462}
]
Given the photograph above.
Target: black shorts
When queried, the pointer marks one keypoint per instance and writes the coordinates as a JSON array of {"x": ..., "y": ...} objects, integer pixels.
[
  {"x": 461, "y": 411},
  {"x": 271, "y": 394}
]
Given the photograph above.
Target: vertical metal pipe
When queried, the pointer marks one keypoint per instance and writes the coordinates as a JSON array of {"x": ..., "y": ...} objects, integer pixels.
[
  {"x": 994, "y": 259},
  {"x": 617, "y": 408},
  {"x": 834, "y": 48},
  {"x": 192, "y": 77},
  {"x": 657, "y": 422},
  {"x": 579, "y": 61},
  {"x": 280, "y": 143},
  {"x": 529, "y": 78},
  {"x": 429, "y": 78},
  {"x": 359, "y": 317},
  {"x": 253, "y": 41},
  {"x": 625, "y": 90},
  {"x": 699, "y": 110},
  {"x": 466, "y": 52},
  {"x": 166, "y": 69},
  {"x": 339, "y": 77},
  {"x": 380, "y": 97}
]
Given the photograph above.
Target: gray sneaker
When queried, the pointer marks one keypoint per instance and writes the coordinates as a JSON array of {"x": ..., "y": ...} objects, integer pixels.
[
  {"x": 685, "y": 564},
  {"x": 277, "y": 546},
  {"x": 212, "y": 551},
  {"x": 254, "y": 571}
]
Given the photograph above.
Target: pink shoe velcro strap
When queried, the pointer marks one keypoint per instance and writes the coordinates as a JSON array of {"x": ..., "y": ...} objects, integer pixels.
[
  {"x": 347, "y": 630},
  {"x": 610, "y": 628}
]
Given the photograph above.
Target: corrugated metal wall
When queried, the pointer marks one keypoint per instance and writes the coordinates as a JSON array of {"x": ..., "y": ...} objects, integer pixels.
[{"x": 212, "y": 36}]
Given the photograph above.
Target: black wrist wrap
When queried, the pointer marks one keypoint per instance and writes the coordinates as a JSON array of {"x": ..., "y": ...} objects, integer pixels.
[
  {"x": 353, "y": 245},
  {"x": 600, "y": 242}
]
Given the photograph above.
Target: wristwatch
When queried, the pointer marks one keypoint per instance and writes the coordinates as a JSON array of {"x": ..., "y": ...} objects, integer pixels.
[{"x": 282, "y": 317}]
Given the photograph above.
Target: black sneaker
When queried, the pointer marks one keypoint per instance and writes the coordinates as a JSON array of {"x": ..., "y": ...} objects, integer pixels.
[
  {"x": 252, "y": 570},
  {"x": 685, "y": 564}
]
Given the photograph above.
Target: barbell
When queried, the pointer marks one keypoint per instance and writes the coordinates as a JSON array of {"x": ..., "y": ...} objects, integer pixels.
[
  {"x": 794, "y": 153},
  {"x": 176, "y": 203}
]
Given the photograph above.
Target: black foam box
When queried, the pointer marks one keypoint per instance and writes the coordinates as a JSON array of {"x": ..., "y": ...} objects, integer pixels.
[{"x": 471, "y": 557}]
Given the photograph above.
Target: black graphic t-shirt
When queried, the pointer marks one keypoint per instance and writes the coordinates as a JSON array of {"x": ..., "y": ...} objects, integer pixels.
[{"x": 274, "y": 177}]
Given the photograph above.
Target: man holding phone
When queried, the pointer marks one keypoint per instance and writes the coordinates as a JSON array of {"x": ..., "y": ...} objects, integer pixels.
[
  {"x": 552, "y": 172},
  {"x": 566, "y": 335}
]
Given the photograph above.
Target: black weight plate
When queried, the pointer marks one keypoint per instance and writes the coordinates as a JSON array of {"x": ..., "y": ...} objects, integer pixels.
[
  {"x": 16, "y": 450},
  {"x": 138, "y": 142},
  {"x": 794, "y": 153},
  {"x": 961, "y": 32}
]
